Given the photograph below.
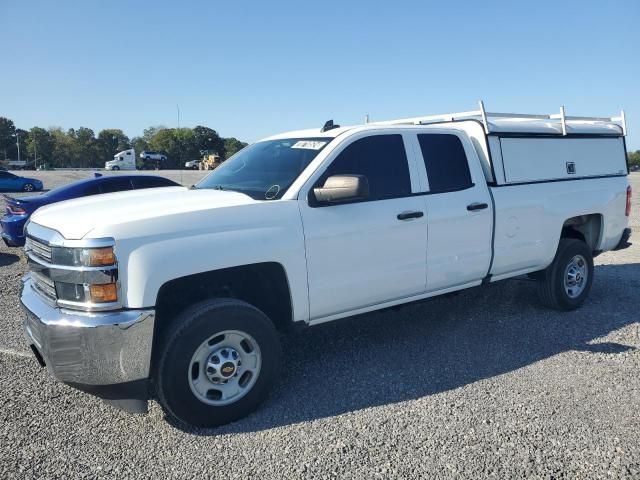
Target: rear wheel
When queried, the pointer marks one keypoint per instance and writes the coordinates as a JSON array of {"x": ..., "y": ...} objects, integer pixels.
[
  {"x": 566, "y": 283},
  {"x": 217, "y": 363},
  {"x": 116, "y": 168},
  {"x": 28, "y": 187}
]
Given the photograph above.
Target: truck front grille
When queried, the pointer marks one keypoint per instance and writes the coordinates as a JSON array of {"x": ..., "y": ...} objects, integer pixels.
[
  {"x": 38, "y": 249},
  {"x": 44, "y": 286}
]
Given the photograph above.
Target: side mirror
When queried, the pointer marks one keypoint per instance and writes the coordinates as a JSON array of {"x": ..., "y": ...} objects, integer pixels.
[{"x": 342, "y": 188}]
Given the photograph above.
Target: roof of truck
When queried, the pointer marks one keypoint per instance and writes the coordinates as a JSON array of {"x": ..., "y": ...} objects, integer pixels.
[
  {"x": 524, "y": 126},
  {"x": 311, "y": 133},
  {"x": 550, "y": 124}
]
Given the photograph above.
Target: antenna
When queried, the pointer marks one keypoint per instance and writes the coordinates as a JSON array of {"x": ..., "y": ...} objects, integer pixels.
[
  {"x": 483, "y": 112},
  {"x": 329, "y": 125}
]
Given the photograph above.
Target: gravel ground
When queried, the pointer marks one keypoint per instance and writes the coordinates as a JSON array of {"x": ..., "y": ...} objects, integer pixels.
[{"x": 490, "y": 385}]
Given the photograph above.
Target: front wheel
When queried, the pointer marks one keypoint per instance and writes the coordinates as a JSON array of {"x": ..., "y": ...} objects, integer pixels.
[
  {"x": 566, "y": 283},
  {"x": 217, "y": 363},
  {"x": 115, "y": 168},
  {"x": 28, "y": 187}
]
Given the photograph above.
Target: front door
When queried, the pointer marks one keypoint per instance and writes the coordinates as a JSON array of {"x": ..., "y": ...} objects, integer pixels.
[{"x": 369, "y": 252}]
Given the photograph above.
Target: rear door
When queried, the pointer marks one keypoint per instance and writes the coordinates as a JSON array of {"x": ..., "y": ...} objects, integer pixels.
[
  {"x": 365, "y": 253},
  {"x": 458, "y": 207}
]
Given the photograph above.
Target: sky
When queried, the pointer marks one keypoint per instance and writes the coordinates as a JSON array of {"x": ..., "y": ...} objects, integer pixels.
[{"x": 252, "y": 69}]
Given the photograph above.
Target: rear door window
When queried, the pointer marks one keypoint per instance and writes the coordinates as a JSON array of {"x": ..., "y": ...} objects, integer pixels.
[
  {"x": 380, "y": 158},
  {"x": 115, "y": 185},
  {"x": 152, "y": 182},
  {"x": 445, "y": 161}
]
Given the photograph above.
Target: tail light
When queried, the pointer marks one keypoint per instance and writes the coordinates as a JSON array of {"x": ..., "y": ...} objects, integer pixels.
[
  {"x": 15, "y": 210},
  {"x": 627, "y": 210}
]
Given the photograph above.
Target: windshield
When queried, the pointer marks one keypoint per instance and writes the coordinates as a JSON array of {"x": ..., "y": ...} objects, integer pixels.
[{"x": 265, "y": 170}]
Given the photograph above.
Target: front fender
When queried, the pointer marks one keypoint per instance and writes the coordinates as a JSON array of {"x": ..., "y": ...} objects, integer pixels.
[{"x": 213, "y": 240}]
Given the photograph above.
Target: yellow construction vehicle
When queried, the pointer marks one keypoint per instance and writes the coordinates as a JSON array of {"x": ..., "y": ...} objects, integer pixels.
[{"x": 210, "y": 161}]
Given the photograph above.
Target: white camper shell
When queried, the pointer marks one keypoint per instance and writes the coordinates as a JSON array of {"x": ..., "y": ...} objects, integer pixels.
[{"x": 526, "y": 148}]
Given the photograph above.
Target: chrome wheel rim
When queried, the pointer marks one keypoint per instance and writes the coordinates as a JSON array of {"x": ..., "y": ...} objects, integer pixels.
[
  {"x": 224, "y": 368},
  {"x": 575, "y": 276},
  {"x": 28, "y": 187}
]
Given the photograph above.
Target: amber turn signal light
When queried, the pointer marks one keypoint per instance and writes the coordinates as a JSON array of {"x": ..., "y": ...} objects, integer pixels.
[
  {"x": 104, "y": 293},
  {"x": 98, "y": 257}
]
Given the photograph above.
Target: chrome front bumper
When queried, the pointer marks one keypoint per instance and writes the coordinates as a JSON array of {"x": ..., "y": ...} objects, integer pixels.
[{"x": 89, "y": 349}]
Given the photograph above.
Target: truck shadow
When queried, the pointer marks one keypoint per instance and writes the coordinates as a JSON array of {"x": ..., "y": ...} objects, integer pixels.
[
  {"x": 439, "y": 345},
  {"x": 7, "y": 259}
]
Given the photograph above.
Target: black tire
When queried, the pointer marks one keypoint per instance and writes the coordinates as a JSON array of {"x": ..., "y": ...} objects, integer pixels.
[
  {"x": 188, "y": 331},
  {"x": 28, "y": 187},
  {"x": 551, "y": 281},
  {"x": 116, "y": 168}
]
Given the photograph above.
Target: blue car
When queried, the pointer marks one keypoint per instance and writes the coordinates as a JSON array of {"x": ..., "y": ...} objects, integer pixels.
[
  {"x": 13, "y": 183},
  {"x": 20, "y": 209}
]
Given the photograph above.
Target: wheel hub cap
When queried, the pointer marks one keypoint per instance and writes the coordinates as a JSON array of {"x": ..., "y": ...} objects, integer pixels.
[
  {"x": 575, "y": 279},
  {"x": 222, "y": 365},
  {"x": 225, "y": 367}
]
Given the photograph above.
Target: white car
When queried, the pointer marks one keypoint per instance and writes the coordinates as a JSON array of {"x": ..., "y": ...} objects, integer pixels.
[
  {"x": 193, "y": 164},
  {"x": 186, "y": 289},
  {"x": 149, "y": 155}
]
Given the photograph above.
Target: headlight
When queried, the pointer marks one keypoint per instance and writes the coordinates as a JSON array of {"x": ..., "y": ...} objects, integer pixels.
[
  {"x": 104, "y": 293},
  {"x": 100, "y": 293},
  {"x": 82, "y": 284},
  {"x": 83, "y": 257}
]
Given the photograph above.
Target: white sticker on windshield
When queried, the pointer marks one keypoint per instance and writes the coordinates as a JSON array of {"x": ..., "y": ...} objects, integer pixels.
[{"x": 309, "y": 144}]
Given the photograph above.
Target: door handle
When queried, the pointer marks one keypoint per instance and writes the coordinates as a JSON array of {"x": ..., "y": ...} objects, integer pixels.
[
  {"x": 477, "y": 206},
  {"x": 408, "y": 215}
]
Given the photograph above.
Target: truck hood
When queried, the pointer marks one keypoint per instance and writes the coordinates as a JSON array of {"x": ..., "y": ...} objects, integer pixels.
[{"x": 74, "y": 219}]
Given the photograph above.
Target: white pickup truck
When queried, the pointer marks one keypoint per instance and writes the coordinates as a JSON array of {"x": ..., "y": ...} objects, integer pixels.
[{"x": 181, "y": 298}]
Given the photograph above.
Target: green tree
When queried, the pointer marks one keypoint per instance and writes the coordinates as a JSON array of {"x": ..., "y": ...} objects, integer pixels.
[
  {"x": 81, "y": 148},
  {"x": 7, "y": 141},
  {"x": 231, "y": 146},
  {"x": 178, "y": 144},
  {"x": 62, "y": 148},
  {"x": 86, "y": 149},
  {"x": 207, "y": 139},
  {"x": 39, "y": 145},
  {"x": 22, "y": 137},
  {"x": 634, "y": 158},
  {"x": 151, "y": 132},
  {"x": 139, "y": 144},
  {"x": 109, "y": 142}
]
